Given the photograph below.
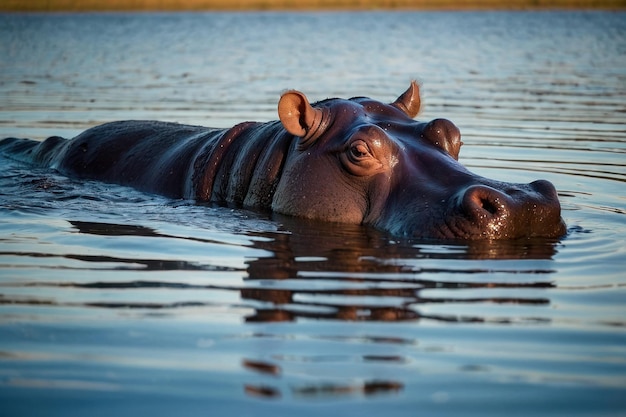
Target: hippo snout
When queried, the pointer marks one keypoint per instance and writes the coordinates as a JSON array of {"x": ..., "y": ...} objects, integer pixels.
[{"x": 515, "y": 211}]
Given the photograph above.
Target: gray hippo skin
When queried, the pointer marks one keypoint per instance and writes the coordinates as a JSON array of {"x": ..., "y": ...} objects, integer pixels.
[{"x": 351, "y": 161}]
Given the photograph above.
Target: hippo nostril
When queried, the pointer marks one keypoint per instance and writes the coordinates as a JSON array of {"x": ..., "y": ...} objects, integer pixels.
[
  {"x": 485, "y": 212},
  {"x": 483, "y": 202},
  {"x": 488, "y": 206}
]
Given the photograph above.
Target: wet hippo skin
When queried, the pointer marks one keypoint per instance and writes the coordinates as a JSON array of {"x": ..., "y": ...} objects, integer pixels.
[{"x": 337, "y": 160}]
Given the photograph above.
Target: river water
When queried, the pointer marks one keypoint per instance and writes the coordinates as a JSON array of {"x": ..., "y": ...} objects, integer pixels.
[{"x": 116, "y": 302}]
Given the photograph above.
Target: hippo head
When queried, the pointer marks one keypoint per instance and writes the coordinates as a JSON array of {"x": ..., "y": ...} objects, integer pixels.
[{"x": 363, "y": 161}]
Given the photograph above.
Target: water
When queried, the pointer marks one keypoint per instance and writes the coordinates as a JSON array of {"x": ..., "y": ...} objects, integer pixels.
[{"x": 117, "y": 302}]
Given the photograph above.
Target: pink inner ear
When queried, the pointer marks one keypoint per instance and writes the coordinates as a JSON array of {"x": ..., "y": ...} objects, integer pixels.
[
  {"x": 299, "y": 118},
  {"x": 292, "y": 112}
]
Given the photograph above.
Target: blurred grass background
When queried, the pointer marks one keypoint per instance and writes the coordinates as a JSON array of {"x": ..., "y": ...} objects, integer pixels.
[{"x": 102, "y": 5}]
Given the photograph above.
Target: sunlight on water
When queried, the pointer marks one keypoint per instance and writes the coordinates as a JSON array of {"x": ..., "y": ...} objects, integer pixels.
[{"x": 111, "y": 299}]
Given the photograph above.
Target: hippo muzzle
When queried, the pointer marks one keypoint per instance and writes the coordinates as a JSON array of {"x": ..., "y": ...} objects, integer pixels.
[
  {"x": 486, "y": 209},
  {"x": 482, "y": 211}
]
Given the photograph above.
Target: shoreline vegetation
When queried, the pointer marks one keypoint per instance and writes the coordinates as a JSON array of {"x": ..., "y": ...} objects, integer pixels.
[{"x": 234, "y": 5}]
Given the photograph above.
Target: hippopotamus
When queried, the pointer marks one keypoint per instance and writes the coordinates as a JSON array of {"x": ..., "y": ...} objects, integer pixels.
[{"x": 352, "y": 160}]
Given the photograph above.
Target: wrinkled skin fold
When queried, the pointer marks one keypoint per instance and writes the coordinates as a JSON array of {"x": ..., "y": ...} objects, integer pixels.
[{"x": 351, "y": 161}]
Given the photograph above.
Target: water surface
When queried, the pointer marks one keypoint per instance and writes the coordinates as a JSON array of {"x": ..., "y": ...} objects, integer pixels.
[{"x": 114, "y": 301}]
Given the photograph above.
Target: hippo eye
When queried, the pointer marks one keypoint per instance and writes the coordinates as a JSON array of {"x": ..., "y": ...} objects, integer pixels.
[
  {"x": 359, "y": 160},
  {"x": 359, "y": 150}
]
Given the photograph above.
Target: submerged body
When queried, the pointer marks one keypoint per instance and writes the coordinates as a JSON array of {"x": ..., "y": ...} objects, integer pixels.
[{"x": 352, "y": 161}]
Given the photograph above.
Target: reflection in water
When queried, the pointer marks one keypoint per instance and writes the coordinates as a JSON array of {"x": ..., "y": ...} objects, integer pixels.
[
  {"x": 326, "y": 389},
  {"x": 324, "y": 272},
  {"x": 373, "y": 276},
  {"x": 262, "y": 367},
  {"x": 355, "y": 257},
  {"x": 262, "y": 391},
  {"x": 367, "y": 388}
]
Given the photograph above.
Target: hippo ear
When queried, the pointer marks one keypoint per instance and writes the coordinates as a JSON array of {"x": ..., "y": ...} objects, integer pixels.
[
  {"x": 298, "y": 116},
  {"x": 409, "y": 102}
]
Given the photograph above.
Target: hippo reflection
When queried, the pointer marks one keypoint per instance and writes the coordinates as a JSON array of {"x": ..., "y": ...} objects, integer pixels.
[
  {"x": 361, "y": 262},
  {"x": 354, "y": 161}
]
